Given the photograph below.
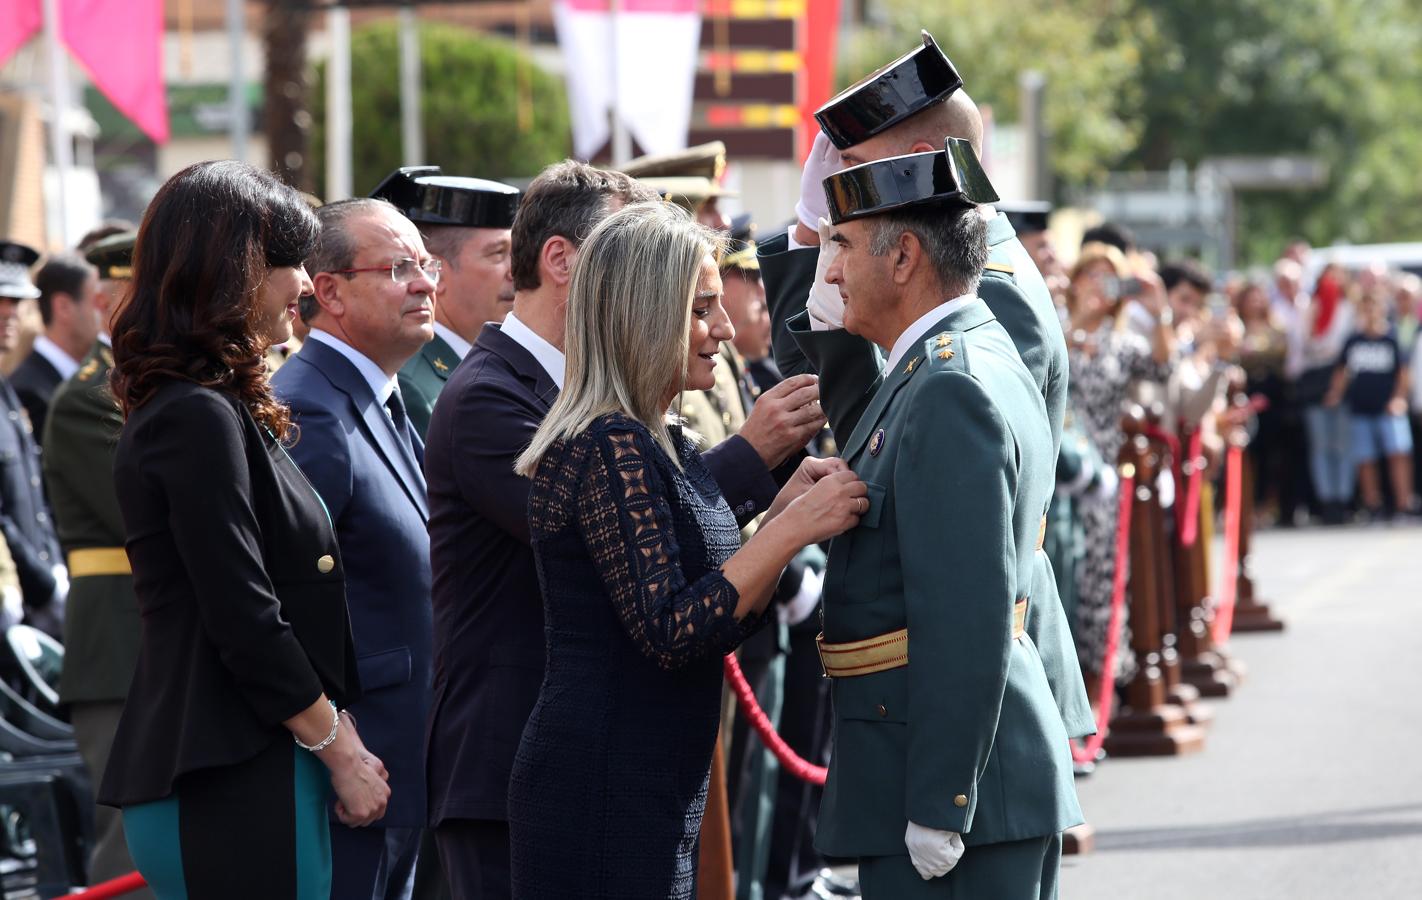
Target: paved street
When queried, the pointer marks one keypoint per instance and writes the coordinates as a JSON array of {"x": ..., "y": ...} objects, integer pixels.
[{"x": 1310, "y": 783}]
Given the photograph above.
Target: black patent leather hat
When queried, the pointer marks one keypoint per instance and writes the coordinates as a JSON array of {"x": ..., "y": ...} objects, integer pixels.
[
  {"x": 428, "y": 197},
  {"x": 952, "y": 177},
  {"x": 882, "y": 99}
]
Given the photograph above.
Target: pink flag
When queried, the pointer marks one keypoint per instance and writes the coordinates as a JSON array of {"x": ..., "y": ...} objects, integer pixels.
[
  {"x": 120, "y": 43},
  {"x": 21, "y": 19}
]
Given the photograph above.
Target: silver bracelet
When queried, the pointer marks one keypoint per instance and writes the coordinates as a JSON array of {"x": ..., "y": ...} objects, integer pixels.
[{"x": 335, "y": 726}]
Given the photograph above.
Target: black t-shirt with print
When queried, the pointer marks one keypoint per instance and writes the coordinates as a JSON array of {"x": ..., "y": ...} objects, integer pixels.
[{"x": 1372, "y": 363}]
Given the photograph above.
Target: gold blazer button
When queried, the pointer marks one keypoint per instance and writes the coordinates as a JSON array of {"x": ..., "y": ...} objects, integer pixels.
[
  {"x": 325, "y": 564},
  {"x": 960, "y": 801},
  {"x": 882, "y": 711}
]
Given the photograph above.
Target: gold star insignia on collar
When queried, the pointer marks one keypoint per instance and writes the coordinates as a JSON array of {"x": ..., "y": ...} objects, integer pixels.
[
  {"x": 908, "y": 370},
  {"x": 944, "y": 340},
  {"x": 945, "y": 354},
  {"x": 441, "y": 364}
]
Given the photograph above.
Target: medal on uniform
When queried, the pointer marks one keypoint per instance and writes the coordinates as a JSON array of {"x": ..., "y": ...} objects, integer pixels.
[{"x": 876, "y": 443}]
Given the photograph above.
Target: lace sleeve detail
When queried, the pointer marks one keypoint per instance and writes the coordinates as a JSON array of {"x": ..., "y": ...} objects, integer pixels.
[
  {"x": 627, "y": 526},
  {"x": 1140, "y": 359}
]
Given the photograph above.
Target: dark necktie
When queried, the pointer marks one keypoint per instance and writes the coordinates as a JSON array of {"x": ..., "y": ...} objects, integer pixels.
[{"x": 396, "y": 407}]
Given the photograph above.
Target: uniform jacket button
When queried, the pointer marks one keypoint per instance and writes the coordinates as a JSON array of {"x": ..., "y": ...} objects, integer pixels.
[
  {"x": 325, "y": 564},
  {"x": 960, "y": 801},
  {"x": 882, "y": 711}
]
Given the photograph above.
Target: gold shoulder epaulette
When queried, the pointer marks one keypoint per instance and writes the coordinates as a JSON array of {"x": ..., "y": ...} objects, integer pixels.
[
  {"x": 87, "y": 372},
  {"x": 1005, "y": 268}
]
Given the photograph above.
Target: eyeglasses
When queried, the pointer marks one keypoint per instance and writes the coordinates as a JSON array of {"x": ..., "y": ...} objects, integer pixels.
[{"x": 402, "y": 271}]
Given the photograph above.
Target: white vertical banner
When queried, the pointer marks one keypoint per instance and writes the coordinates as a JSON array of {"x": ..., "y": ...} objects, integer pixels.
[{"x": 637, "y": 57}]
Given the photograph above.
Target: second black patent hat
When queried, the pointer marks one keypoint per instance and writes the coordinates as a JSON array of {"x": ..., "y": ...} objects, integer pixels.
[
  {"x": 1027, "y": 216},
  {"x": 882, "y": 99},
  {"x": 428, "y": 197},
  {"x": 952, "y": 176}
]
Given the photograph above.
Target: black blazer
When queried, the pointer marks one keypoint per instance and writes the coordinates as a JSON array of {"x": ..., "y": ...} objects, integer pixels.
[
  {"x": 488, "y": 609},
  {"x": 35, "y": 380},
  {"x": 240, "y": 586}
]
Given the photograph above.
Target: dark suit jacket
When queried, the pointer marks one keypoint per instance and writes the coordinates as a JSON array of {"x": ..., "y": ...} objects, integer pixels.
[
  {"x": 35, "y": 380},
  {"x": 375, "y": 492},
  {"x": 488, "y": 608},
  {"x": 24, "y": 514},
  {"x": 242, "y": 626}
]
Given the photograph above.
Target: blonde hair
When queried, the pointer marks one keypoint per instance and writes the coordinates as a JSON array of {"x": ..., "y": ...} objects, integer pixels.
[
  {"x": 1094, "y": 252},
  {"x": 629, "y": 323}
]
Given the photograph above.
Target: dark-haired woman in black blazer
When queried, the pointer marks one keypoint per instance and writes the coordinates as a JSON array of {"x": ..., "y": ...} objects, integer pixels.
[{"x": 246, "y": 643}]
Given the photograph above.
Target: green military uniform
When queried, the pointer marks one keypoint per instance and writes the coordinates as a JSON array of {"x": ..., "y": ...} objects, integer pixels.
[
  {"x": 423, "y": 377},
  {"x": 101, "y": 624},
  {"x": 846, "y": 389},
  {"x": 433, "y": 201},
  {"x": 965, "y": 737}
]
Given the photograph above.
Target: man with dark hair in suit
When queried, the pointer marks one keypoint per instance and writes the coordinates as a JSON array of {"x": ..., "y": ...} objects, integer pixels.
[
  {"x": 373, "y": 310},
  {"x": 67, "y": 285},
  {"x": 24, "y": 512},
  {"x": 488, "y": 609}
]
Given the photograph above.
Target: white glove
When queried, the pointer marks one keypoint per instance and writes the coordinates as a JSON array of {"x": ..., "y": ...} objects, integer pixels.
[
  {"x": 933, "y": 853},
  {"x": 822, "y": 162},
  {"x": 805, "y": 600},
  {"x": 825, "y": 305},
  {"x": 1106, "y": 483}
]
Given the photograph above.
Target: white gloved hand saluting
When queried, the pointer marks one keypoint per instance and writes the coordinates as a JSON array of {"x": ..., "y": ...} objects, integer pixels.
[
  {"x": 825, "y": 305},
  {"x": 822, "y": 162},
  {"x": 933, "y": 853}
]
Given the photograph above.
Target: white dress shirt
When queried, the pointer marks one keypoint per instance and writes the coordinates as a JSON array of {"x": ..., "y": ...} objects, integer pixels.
[
  {"x": 65, "y": 364},
  {"x": 548, "y": 356},
  {"x": 919, "y": 329},
  {"x": 459, "y": 345},
  {"x": 383, "y": 385}
]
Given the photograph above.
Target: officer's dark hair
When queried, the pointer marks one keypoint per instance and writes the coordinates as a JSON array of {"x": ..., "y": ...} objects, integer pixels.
[
  {"x": 335, "y": 248},
  {"x": 1118, "y": 236},
  {"x": 63, "y": 273},
  {"x": 208, "y": 239},
  {"x": 446, "y": 242},
  {"x": 954, "y": 240},
  {"x": 1187, "y": 271},
  {"x": 566, "y": 200}
]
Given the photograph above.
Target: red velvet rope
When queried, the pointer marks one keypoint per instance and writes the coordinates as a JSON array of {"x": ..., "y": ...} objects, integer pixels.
[
  {"x": 1125, "y": 498},
  {"x": 792, "y": 762},
  {"x": 117, "y": 887},
  {"x": 1190, "y": 514},
  {"x": 1234, "y": 505}
]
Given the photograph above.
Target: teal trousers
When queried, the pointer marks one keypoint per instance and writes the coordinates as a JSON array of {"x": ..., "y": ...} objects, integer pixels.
[{"x": 257, "y": 829}]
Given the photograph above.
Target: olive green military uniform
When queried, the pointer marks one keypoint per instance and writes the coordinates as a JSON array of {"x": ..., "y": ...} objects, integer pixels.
[
  {"x": 965, "y": 735},
  {"x": 422, "y": 378},
  {"x": 846, "y": 387},
  {"x": 101, "y": 626}
]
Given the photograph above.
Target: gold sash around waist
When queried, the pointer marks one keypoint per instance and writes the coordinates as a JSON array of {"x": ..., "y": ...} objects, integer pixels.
[
  {"x": 887, "y": 651},
  {"x": 98, "y": 561}
]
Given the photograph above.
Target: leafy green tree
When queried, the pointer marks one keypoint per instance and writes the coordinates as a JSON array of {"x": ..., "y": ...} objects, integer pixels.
[
  {"x": 1337, "y": 80},
  {"x": 1086, "y": 49},
  {"x": 469, "y": 101}
]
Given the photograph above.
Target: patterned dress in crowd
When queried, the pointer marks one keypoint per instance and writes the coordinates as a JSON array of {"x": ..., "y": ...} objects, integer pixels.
[
  {"x": 609, "y": 785},
  {"x": 1098, "y": 388}
]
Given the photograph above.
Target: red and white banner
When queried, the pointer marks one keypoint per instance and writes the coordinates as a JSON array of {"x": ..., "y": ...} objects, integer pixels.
[
  {"x": 636, "y": 56},
  {"x": 19, "y": 20},
  {"x": 120, "y": 44}
]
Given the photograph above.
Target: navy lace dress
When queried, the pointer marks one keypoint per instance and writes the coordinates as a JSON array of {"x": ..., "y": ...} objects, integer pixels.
[{"x": 608, "y": 788}]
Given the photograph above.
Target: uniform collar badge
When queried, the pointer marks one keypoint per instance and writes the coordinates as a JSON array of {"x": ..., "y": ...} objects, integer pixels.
[
  {"x": 441, "y": 364},
  {"x": 876, "y": 443}
]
